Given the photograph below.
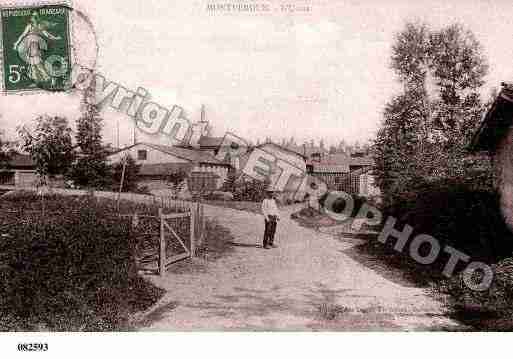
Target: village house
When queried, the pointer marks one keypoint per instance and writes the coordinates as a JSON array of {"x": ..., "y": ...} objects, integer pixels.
[
  {"x": 204, "y": 171},
  {"x": 20, "y": 171},
  {"x": 343, "y": 172},
  {"x": 292, "y": 189},
  {"x": 495, "y": 136}
]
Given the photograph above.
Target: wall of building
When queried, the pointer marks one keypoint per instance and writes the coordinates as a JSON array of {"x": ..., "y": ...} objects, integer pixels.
[
  {"x": 335, "y": 181},
  {"x": 503, "y": 166},
  {"x": 156, "y": 157},
  {"x": 25, "y": 178},
  {"x": 368, "y": 186},
  {"x": 153, "y": 156},
  {"x": 221, "y": 171}
]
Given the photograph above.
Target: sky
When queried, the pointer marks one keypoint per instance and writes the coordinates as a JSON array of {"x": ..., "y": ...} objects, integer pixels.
[{"x": 324, "y": 73}]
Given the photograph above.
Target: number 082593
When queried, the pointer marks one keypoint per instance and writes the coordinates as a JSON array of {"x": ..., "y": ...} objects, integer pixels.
[{"x": 32, "y": 347}]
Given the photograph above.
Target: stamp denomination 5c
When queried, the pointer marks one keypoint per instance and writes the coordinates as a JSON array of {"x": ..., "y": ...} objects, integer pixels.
[{"x": 36, "y": 48}]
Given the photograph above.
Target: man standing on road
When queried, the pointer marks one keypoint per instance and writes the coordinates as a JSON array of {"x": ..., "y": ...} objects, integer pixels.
[{"x": 271, "y": 216}]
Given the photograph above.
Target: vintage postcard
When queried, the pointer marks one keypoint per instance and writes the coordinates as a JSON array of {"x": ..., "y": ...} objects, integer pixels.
[{"x": 255, "y": 166}]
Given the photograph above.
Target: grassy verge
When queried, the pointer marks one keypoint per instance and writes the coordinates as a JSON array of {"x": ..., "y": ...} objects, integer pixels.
[
  {"x": 310, "y": 218},
  {"x": 217, "y": 243},
  {"x": 68, "y": 264}
]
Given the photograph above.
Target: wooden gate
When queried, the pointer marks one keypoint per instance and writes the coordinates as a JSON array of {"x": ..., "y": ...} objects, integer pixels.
[{"x": 167, "y": 238}]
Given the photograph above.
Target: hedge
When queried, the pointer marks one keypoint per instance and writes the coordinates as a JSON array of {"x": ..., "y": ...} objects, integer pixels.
[{"x": 73, "y": 269}]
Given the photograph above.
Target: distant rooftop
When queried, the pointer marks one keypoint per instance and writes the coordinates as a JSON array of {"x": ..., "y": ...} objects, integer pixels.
[
  {"x": 342, "y": 159},
  {"x": 192, "y": 155},
  {"x": 208, "y": 141},
  {"x": 186, "y": 153}
]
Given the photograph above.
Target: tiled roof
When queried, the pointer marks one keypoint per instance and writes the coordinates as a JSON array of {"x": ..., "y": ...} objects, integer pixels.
[
  {"x": 336, "y": 159},
  {"x": 323, "y": 168},
  {"x": 343, "y": 159}
]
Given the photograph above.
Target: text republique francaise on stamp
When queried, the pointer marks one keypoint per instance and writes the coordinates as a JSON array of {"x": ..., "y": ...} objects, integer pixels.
[{"x": 36, "y": 47}]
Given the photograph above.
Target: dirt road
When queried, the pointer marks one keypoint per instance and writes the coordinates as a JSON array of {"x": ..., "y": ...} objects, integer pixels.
[{"x": 307, "y": 283}]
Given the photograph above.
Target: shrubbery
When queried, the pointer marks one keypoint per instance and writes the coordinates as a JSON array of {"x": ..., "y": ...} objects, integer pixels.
[
  {"x": 458, "y": 214},
  {"x": 67, "y": 272},
  {"x": 244, "y": 188},
  {"x": 486, "y": 310},
  {"x": 339, "y": 204}
]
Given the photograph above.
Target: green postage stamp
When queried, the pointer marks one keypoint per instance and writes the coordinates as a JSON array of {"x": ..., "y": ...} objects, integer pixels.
[{"x": 36, "y": 48}]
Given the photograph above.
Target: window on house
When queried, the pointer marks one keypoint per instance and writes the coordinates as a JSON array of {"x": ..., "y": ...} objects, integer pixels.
[{"x": 142, "y": 155}]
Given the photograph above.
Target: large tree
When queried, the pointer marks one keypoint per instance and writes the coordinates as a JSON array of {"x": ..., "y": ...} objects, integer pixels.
[
  {"x": 91, "y": 168},
  {"x": 458, "y": 68},
  {"x": 427, "y": 126},
  {"x": 50, "y": 145}
]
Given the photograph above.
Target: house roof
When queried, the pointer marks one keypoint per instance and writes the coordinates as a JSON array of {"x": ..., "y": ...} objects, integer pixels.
[
  {"x": 282, "y": 149},
  {"x": 188, "y": 154},
  {"x": 325, "y": 168},
  {"x": 158, "y": 169},
  {"x": 208, "y": 141},
  {"x": 362, "y": 161},
  {"x": 19, "y": 160},
  {"x": 342, "y": 159},
  {"x": 495, "y": 123}
]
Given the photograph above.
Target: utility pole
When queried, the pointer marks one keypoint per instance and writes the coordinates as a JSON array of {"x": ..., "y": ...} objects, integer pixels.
[{"x": 125, "y": 160}]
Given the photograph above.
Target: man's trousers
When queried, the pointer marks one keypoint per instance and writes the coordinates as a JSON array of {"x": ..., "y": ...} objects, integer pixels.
[{"x": 270, "y": 230}]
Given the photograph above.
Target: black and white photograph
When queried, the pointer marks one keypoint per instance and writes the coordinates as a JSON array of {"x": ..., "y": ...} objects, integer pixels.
[{"x": 271, "y": 173}]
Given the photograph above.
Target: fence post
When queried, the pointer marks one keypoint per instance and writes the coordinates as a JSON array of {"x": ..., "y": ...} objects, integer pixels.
[
  {"x": 201, "y": 223},
  {"x": 162, "y": 246},
  {"x": 193, "y": 231}
]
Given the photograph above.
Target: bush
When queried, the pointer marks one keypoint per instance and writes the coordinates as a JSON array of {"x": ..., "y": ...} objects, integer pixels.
[
  {"x": 72, "y": 270},
  {"x": 130, "y": 180},
  {"x": 340, "y": 204},
  {"x": 489, "y": 310},
  {"x": 250, "y": 190},
  {"x": 459, "y": 215}
]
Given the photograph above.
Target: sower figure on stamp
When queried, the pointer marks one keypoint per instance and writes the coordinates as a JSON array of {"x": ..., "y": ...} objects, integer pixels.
[{"x": 271, "y": 216}]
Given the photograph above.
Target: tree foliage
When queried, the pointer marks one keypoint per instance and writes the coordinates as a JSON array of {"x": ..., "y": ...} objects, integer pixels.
[
  {"x": 91, "y": 168},
  {"x": 427, "y": 127},
  {"x": 130, "y": 180},
  {"x": 49, "y": 145}
]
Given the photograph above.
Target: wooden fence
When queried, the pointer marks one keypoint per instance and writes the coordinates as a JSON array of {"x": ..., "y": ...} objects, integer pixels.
[{"x": 167, "y": 238}]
